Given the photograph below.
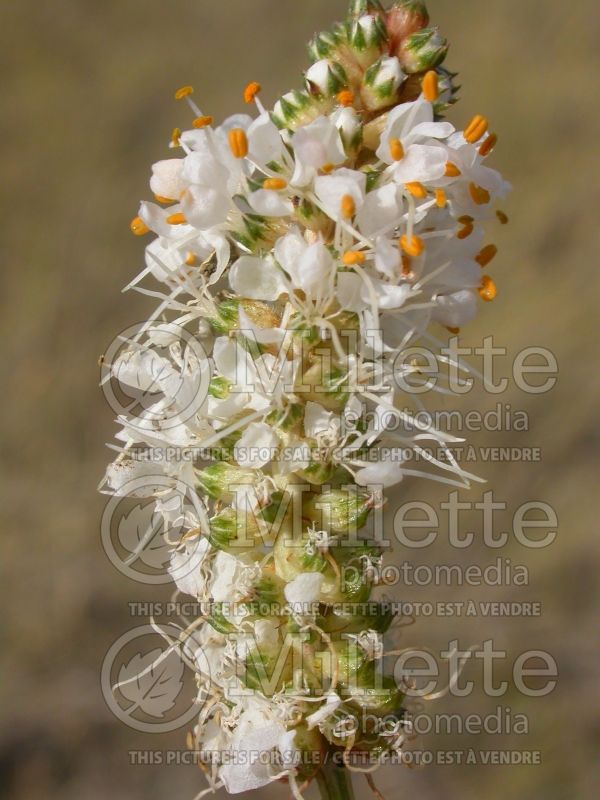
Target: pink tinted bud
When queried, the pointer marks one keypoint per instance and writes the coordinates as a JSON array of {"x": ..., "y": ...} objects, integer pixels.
[{"x": 404, "y": 18}]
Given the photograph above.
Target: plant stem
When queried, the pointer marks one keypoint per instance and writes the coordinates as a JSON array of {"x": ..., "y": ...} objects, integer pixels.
[{"x": 335, "y": 783}]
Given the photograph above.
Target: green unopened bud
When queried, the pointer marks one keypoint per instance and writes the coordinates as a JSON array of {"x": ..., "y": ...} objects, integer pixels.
[
  {"x": 233, "y": 531},
  {"x": 373, "y": 692},
  {"x": 351, "y": 657},
  {"x": 219, "y": 388},
  {"x": 359, "y": 8},
  {"x": 227, "y": 318},
  {"x": 349, "y": 124},
  {"x": 309, "y": 752},
  {"x": 267, "y": 594},
  {"x": 382, "y": 83},
  {"x": 339, "y": 510},
  {"x": 218, "y": 621},
  {"x": 326, "y": 78},
  {"x": 219, "y": 481},
  {"x": 288, "y": 419},
  {"x": 296, "y": 109},
  {"x": 404, "y": 18},
  {"x": 323, "y": 44},
  {"x": 367, "y": 37},
  {"x": 423, "y": 50},
  {"x": 318, "y": 472}
]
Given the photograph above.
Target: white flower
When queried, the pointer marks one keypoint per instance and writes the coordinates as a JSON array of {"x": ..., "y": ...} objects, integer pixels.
[
  {"x": 316, "y": 145},
  {"x": 257, "y": 446},
  {"x": 331, "y": 191},
  {"x": 303, "y": 592},
  {"x": 186, "y": 566}
]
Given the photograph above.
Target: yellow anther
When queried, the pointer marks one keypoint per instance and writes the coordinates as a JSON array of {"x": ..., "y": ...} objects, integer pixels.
[
  {"x": 479, "y": 195},
  {"x": 348, "y": 206},
  {"x": 453, "y": 331},
  {"x": 164, "y": 200},
  {"x": 327, "y": 168},
  {"x": 489, "y": 144},
  {"x": 440, "y": 198},
  {"x": 191, "y": 259},
  {"x": 486, "y": 255},
  {"x": 184, "y": 92},
  {"x": 251, "y": 90},
  {"x": 430, "y": 86},
  {"x": 202, "y": 122},
  {"x": 139, "y": 227},
  {"x": 502, "y": 217},
  {"x": 396, "y": 149},
  {"x": 353, "y": 257},
  {"x": 274, "y": 183},
  {"x": 177, "y": 219},
  {"x": 466, "y": 231},
  {"x": 475, "y": 129},
  {"x": 176, "y": 137},
  {"x": 452, "y": 171},
  {"x": 345, "y": 98},
  {"x": 412, "y": 247},
  {"x": 238, "y": 142},
  {"x": 488, "y": 289},
  {"x": 416, "y": 189}
]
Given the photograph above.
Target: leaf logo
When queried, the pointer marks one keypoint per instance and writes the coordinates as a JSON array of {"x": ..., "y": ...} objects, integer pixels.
[
  {"x": 152, "y": 684},
  {"x": 140, "y": 533}
]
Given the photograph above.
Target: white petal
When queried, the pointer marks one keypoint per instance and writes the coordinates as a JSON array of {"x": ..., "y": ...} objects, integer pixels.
[
  {"x": 421, "y": 163},
  {"x": 313, "y": 270},
  {"x": 205, "y": 207},
  {"x": 382, "y": 474},
  {"x": 350, "y": 292},
  {"x": 317, "y": 420},
  {"x": 387, "y": 257},
  {"x": 185, "y": 568},
  {"x": 167, "y": 180},
  {"x": 332, "y": 702},
  {"x": 269, "y": 203},
  {"x": 204, "y": 169},
  {"x": 257, "y": 446},
  {"x": 330, "y": 189},
  {"x": 264, "y": 140},
  {"x": 382, "y": 210},
  {"x": 304, "y": 591},
  {"x": 256, "y": 279},
  {"x": 455, "y": 310}
]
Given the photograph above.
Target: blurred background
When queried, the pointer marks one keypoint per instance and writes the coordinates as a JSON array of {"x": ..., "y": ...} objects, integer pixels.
[{"x": 86, "y": 107}]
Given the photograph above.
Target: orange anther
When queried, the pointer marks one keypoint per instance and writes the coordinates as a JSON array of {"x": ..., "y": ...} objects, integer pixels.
[
  {"x": 452, "y": 171},
  {"x": 345, "y": 98},
  {"x": 475, "y": 129},
  {"x": 412, "y": 247},
  {"x": 489, "y": 144},
  {"x": 440, "y": 198},
  {"x": 396, "y": 149},
  {"x": 502, "y": 217},
  {"x": 191, "y": 259},
  {"x": 274, "y": 183},
  {"x": 488, "y": 289},
  {"x": 430, "y": 86},
  {"x": 479, "y": 195},
  {"x": 416, "y": 189},
  {"x": 466, "y": 231},
  {"x": 486, "y": 255},
  {"x": 139, "y": 227},
  {"x": 238, "y": 142},
  {"x": 202, "y": 122},
  {"x": 183, "y": 92},
  {"x": 176, "y": 137},
  {"x": 251, "y": 90},
  {"x": 348, "y": 206},
  {"x": 353, "y": 257},
  {"x": 177, "y": 219}
]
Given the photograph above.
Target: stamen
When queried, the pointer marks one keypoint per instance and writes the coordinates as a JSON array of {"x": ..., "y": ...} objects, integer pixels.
[
  {"x": 178, "y": 218},
  {"x": 327, "y": 168},
  {"x": 176, "y": 137},
  {"x": 452, "y": 171},
  {"x": 348, "y": 206},
  {"x": 416, "y": 189},
  {"x": 486, "y": 255},
  {"x": 465, "y": 232},
  {"x": 184, "y": 92},
  {"x": 202, "y": 122},
  {"x": 440, "y": 198},
  {"x": 139, "y": 227},
  {"x": 412, "y": 247},
  {"x": 345, "y": 98},
  {"x": 396, "y": 149},
  {"x": 251, "y": 91},
  {"x": 430, "y": 86},
  {"x": 453, "y": 331},
  {"x": 502, "y": 217},
  {"x": 475, "y": 129},
  {"x": 274, "y": 183},
  {"x": 489, "y": 144},
  {"x": 479, "y": 195},
  {"x": 406, "y": 266},
  {"x": 465, "y": 219},
  {"x": 238, "y": 142},
  {"x": 353, "y": 257},
  {"x": 164, "y": 200},
  {"x": 191, "y": 259},
  {"x": 488, "y": 289}
]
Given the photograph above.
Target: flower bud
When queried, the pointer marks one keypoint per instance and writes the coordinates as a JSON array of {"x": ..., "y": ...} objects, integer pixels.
[
  {"x": 348, "y": 123},
  {"x": 325, "y": 385},
  {"x": 309, "y": 747},
  {"x": 219, "y": 388},
  {"x": 339, "y": 510},
  {"x": 295, "y": 109},
  {"x": 219, "y": 481},
  {"x": 323, "y": 45},
  {"x": 326, "y": 78},
  {"x": 382, "y": 82},
  {"x": 218, "y": 621},
  {"x": 373, "y": 692},
  {"x": 359, "y": 8},
  {"x": 404, "y": 18},
  {"x": 422, "y": 51},
  {"x": 341, "y": 619},
  {"x": 366, "y": 39},
  {"x": 227, "y": 318},
  {"x": 233, "y": 531}
]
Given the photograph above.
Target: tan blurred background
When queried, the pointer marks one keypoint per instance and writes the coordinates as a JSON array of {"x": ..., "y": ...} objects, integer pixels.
[{"x": 86, "y": 108}]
